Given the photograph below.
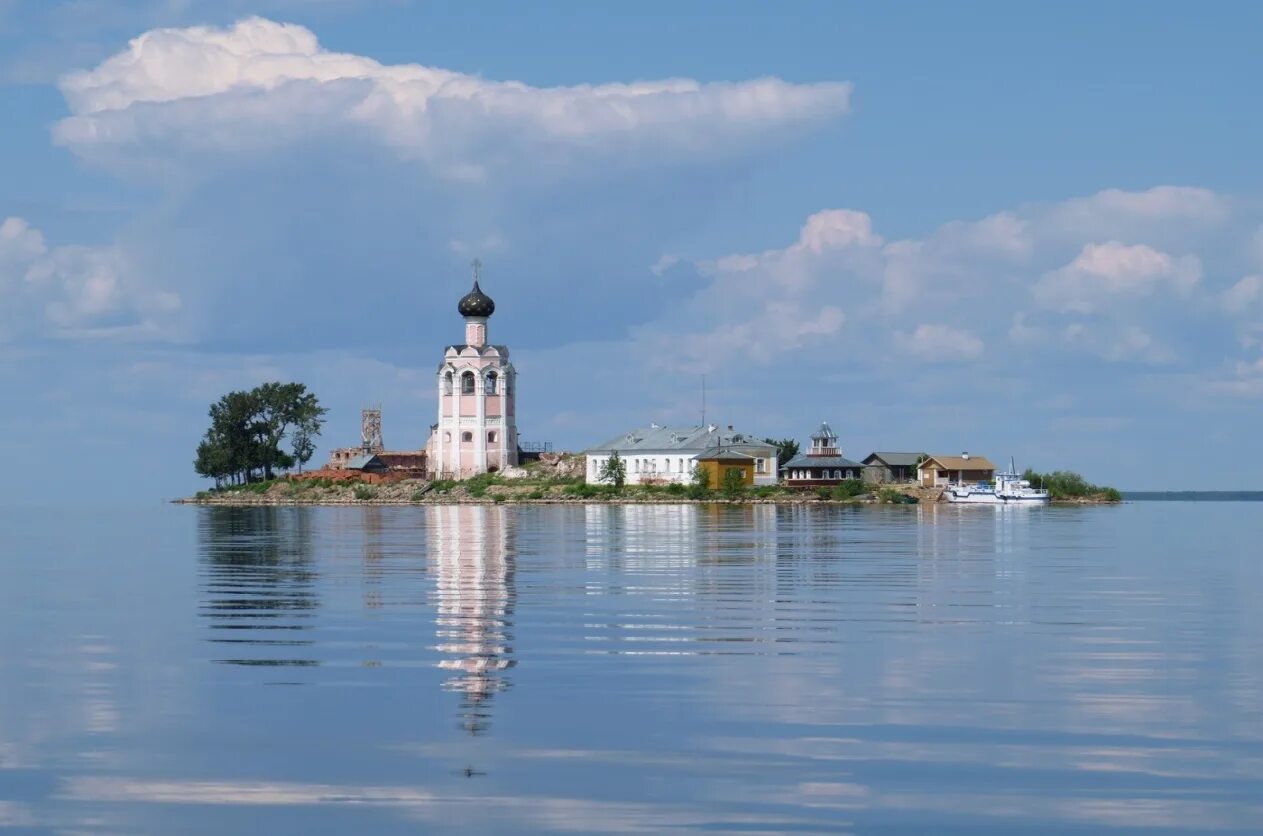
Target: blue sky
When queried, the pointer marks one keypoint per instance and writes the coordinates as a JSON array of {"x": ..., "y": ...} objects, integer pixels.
[{"x": 1027, "y": 232}]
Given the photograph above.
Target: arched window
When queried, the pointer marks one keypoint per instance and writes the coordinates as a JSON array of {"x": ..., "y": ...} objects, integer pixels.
[
  {"x": 491, "y": 437},
  {"x": 447, "y": 383},
  {"x": 447, "y": 437},
  {"x": 490, "y": 384},
  {"x": 466, "y": 436},
  {"x": 467, "y": 383}
]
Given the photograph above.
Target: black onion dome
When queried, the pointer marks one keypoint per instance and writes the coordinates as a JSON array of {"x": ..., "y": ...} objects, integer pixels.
[{"x": 476, "y": 303}]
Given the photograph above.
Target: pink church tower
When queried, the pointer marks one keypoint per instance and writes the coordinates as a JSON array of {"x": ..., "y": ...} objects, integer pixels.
[{"x": 477, "y": 428}]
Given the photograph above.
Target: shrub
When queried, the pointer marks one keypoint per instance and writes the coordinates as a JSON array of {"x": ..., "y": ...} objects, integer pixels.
[
  {"x": 417, "y": 496},
  {"x": 675, "y": 489},
  {"x": 1065, "y": 484},
  {"x": 696, "y": 491},
  {"x": 824, "y": 493},
  {"x": 362, "y": 492},
  {"x": 893, "y": 496},
  {"x": 582, "y": 490},
  {"x": 476, "y": 489},
  {"x": 535, "y": 494},
  {"x": 497, "y": 498},
  {"x": 442, "y": 485},
  {"x": 849, "y": 489}
]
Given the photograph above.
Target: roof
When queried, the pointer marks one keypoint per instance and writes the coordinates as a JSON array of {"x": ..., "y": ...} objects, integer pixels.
[
  {"x": 362, "y": 461},
  {"x": 962, "y": 463},
  {"x": 825, "y": 433},
  {"x": 717, "y": 455},
  {"x": 476, "y": 303},
  {"x": 821, "y": 461},
  {"x": 656, "y": 439},
  {"x": 896, "y": 459}
]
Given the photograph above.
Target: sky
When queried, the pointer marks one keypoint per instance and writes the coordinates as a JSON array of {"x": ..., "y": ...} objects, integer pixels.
[{"x": 1028, "y": 232}]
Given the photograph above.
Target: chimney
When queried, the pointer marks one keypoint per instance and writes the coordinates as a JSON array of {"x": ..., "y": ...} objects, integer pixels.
[
  {"x": 965, "y": 455},
  {"x": 730, "y": 428}
]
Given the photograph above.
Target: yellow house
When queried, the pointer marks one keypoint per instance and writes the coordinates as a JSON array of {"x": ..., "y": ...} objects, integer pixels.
[
  {"x": 937, "y": 471},
  {"x": 718, "y": 462}
]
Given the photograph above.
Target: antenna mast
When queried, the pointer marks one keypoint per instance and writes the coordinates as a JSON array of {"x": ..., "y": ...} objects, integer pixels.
[{"x": 703, "y": 400}]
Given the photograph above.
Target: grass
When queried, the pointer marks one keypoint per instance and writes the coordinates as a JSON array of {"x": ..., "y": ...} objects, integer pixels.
[{"x": 363, "y": 492}]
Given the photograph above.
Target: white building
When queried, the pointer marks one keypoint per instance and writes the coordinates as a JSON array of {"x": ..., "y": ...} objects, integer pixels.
[{"x": 661, "y": 455}]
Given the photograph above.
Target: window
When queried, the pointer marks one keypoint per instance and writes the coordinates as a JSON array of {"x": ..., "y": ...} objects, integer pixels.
[
  {"x": 467, "y": 436},
  {"x": 447, "y": 437},
  {"x": 760, "y": 465},
  {"x": 447, "y": 383},
  {"x": 467, "y": 383},
  {"x": 491, "y": 437},
  {"x": 492, "y": 380}
]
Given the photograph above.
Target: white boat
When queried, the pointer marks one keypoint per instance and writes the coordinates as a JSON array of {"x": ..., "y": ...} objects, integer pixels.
[{"x": 1007, "y": 489}]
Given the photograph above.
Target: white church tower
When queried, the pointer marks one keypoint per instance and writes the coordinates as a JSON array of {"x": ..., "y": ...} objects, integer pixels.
[{"x": 477, "y": 429}]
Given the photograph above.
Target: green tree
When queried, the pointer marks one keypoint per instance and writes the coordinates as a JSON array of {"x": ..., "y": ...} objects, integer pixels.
[
  {"x": 786, "y": 448},
  {"x": 699, "y": 482},
  {"x": 699, "y": 477},
  {"x": 734, "y": 483},
  {"x": 614, "y": 471},
  {"x": 243, "y": 442}
]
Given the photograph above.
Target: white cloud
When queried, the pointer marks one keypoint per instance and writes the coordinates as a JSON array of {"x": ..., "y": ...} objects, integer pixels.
[
  {"x": 1103, "y": 273},
  {"x": 941, "y": 344},
  {"x": 74, "y": 291},
  {"x": 19, "y": 244},
  {"x": 1243, "y": 295},
  {"x": 260, "y": 83},
  {"x": 664, "y": 263},
  {"x": 1119, "y": 213},
  {"x": 1116, "y": 342}
]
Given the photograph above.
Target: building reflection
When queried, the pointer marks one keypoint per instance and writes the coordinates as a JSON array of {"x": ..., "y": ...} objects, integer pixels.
[
  {"x": 259, "y": 585},
  {"x": 472, "y": 552}
]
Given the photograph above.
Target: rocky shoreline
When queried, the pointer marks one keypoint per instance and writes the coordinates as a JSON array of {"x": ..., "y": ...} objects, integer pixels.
[{"x": 554, "y": 492}]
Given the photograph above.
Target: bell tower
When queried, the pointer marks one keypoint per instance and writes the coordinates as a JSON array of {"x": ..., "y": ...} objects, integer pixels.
[{"x": 477, "y": 421}]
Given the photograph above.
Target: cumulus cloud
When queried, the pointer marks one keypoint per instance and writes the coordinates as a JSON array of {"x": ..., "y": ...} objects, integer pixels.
[
  {"x": 941, "y": 344},
  {"x": 1103, "y": 273},
  {"x": 74, "y": 291},
  {"x": 1010, "y": 278},
  {"x": 1243, "y": 295},
  {"x": 1164, "y": 211},
  {"x": 260, "y": 83}
]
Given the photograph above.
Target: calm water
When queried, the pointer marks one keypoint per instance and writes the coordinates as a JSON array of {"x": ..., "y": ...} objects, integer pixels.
[{"x": 649, "y": 668}]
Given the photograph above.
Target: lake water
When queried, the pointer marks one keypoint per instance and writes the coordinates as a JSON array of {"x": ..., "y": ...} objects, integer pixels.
[{"x": 626, "y": 669}]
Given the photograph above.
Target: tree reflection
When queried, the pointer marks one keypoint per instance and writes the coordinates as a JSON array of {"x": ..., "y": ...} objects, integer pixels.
[
  {"x": 472, "y": 552},
  {"x": 258, "y": 582}
]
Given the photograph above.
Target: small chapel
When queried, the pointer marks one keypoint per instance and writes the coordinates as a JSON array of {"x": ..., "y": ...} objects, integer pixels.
[{"x": 476, "y": 430}]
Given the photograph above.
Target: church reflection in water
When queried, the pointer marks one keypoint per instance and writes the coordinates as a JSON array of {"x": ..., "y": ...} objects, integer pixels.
[{"x": 471, "y": 550}]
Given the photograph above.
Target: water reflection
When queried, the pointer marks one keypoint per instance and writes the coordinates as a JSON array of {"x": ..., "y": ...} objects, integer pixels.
[
  {"x": 471, "y": 551},
  {"x": 260, "y": 587}
]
